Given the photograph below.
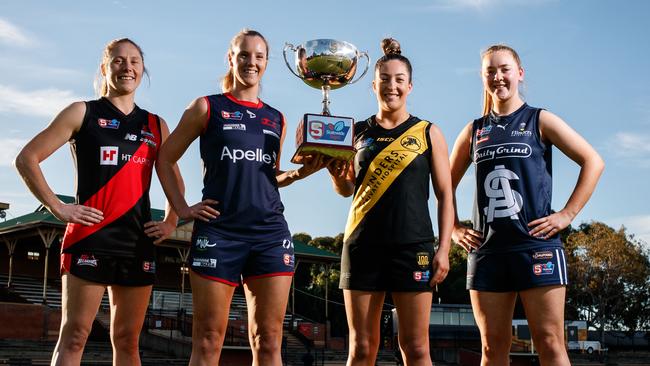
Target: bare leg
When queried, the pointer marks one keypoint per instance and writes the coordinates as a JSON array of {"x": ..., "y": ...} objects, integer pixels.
[
  {"x": 128, "y": 308},
  {"x": 80, "y": 300},
  {"x": 545, "y": 313},
  {"x": 211, "y": 301},
  {"x": 363, "y": 310},
  {"x": 266, "y": 299},
  {"x": 414, "y": 311},
  {"x": 493, "y": 313}
]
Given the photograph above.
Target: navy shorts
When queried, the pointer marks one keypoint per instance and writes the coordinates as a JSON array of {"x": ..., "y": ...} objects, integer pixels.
[
  {"x": 110, "y": 270},
  {"x": 230, "y": 261},
  {"x": 396, "y": 268},
  {"x": 516, "y": 271}
]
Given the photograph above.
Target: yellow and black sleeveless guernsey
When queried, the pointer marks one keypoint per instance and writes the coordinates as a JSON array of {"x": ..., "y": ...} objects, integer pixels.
[{"x": 393, "y": 170}]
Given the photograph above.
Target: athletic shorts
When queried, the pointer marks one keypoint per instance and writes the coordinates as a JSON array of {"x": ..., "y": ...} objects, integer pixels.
[
  {"x": 396, "y": 268},
  {"x": 516, "y": 271},
  {"x": 110, "y": 270},
  {"x": 232, "y": 261}
]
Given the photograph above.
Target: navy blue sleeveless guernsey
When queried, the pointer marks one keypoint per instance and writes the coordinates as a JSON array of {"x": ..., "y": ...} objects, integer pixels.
[
  {"x": 239, "y": 151},
  {"x": 513, "y": 180}
]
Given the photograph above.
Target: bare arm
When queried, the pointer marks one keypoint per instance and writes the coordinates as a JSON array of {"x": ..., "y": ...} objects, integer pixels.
[
  {"x": 342, "y": 175},
  {"x": 554, "y": 130},
  {"x": 460, "y": 160},
  {"x": 441, "y": 179},
  {"x": 59, "y": 131},
  {"x": 160, "y": 230},
  {"x": 189, "y": 128}
]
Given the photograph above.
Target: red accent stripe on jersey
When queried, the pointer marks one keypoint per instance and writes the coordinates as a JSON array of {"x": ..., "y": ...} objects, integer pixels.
[
  {"x": 121, "y": 192},
  {"x": 207, "y": 120},
  {"x": 276, "y": 274},
  {"x": 257, "y": 105},
  {"x": 217, "y": 279}
]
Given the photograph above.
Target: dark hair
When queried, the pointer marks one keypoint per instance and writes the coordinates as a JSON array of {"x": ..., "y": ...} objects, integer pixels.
[
  {"x": 229, "y": 78},
  {"x": 487, "y": 98},
  {"x": 393, "y": 51},
  {"x": 101, "y": 87}
]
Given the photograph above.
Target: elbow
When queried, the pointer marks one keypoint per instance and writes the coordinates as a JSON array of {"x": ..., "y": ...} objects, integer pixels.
[{"x": 20, "y": 162}]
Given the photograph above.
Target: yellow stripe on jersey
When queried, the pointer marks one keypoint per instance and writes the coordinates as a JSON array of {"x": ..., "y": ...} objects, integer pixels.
[{"x": 383, "y": 170}]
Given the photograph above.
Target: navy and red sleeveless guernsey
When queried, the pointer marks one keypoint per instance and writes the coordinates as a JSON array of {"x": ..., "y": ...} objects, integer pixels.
[
  {"x": 513, "y": 180},
  {"x": 393, "y": 170},
  {"x": 239, "y": 150},
  {"x": 114, "y": 154}
]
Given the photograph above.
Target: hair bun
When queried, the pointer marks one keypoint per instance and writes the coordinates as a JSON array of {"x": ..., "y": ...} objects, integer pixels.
[{"x": 390, "y": 46}]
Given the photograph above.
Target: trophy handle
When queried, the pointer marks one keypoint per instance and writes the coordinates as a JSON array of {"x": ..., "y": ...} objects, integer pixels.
[
  {"x": 289, "y": 46},
  {"x": 362, "y": 54}
]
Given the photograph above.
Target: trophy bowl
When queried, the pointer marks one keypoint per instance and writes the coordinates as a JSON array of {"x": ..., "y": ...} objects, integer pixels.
[{"x": 321, "y": 62}]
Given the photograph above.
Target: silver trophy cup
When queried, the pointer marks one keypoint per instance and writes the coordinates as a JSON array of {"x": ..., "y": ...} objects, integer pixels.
[{"x": 325, "y": 64}]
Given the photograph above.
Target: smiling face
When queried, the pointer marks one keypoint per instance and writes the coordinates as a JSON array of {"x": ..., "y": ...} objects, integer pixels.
[
  {"x": 391, "y": 85},
  {"x": 501, "y": 75},
  {"x": 123, "y": 69},
  {"x": 247, "y": 61}
]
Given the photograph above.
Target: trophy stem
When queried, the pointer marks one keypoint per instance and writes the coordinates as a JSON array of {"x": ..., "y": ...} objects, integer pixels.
[{"x": 326, "y": 99}]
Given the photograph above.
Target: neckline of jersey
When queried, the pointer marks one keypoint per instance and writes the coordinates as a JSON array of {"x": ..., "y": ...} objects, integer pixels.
[
  {"x": 245, "y": 103},
  {"x": 375, "y": 124},
  {"x": 117, "y": 110},
  {"x": 505, "y": 119}
]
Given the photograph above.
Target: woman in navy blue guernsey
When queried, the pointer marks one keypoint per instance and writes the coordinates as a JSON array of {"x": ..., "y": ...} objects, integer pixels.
[
  {"x": 109, "y": 238},
  {"x": 514, "y": 246},
  {"x": 239, "y": 229}
]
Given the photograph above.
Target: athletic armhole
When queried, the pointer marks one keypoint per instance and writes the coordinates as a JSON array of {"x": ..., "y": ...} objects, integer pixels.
[
  {"x": 284, "y": 121},
  {"x": 207, "y": 120},
  {"x": 156, "y": 119},
  {"x": 427, "y": 133},
  {"x": 84, "y": 122},
  {"x": 538, "y": 131}
]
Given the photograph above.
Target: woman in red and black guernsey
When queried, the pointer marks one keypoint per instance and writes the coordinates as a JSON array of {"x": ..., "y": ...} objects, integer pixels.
[
  {"x": 389, "y": 241},
  {"x": 109, "y": 240},
  {"x": 240, "y": 233}
]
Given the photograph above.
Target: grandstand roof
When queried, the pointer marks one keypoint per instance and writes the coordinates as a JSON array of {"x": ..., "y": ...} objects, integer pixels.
[{"x": 22, "y": 226}]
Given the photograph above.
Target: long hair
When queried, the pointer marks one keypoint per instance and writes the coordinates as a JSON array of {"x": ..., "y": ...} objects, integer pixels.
[
  {"x": 228, "y": 80},
  {"x": 487, "y": 98},
  {"x": 100, "y": 84}
]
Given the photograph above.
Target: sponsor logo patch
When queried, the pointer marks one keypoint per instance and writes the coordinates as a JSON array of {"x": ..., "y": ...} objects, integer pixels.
[
  {"x": 288, "y": 259},
  {"x": 268, "y": 122},
  {"x": 328, "y": 131},
  {"x": 422, "y": 259},
  {"x": 131, "y": 137},
  {"x": 541, "y": 269},
  {"x": 287, "y": 243},
  {"x": 149, "y": 267},
  {"x": 250, "y": 114},
  {"x": 421, "y": 276},
  {"x": 257, "y": 155},
  {"x": 204, "y": 262},
  {"x": 234, "y": 126},
  {"x": 508, "y": 150},
  {"x": 108, "y": 123},
  {"x": 203, "y": 243},
  {"x": 410, "y": 143},
  {"x": 108, "y": 155},
  {"x": 87, "y": 260},
  {"x": 543, "y": 255},
  {"x": 236, "y": 115}
]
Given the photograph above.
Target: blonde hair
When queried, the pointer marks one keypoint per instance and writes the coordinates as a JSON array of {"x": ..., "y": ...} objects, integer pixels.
[
  {"x": 100, "y": 85},
  {"x": 487, "y": 98},
  {"x": 228, "y": 79}
]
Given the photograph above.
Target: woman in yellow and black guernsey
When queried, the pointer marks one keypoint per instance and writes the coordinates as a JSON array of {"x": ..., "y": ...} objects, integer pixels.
[{"x": 389, "y": 239}]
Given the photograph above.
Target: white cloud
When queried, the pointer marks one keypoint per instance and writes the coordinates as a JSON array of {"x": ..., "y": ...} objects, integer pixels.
[
  {"x": 634, "y": 147},
  {"x": 12, "y": 67},
  {"x": 480, "y": 5},
  {"x": 10, "y": 148},
  {"x": 12, "y": 35},
  {"x": 638, "y": 225},
  {"x": 40, "y": 103}
]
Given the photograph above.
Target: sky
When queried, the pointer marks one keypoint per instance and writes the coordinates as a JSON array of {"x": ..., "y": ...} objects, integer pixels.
[{"x": 584, "y": 60}]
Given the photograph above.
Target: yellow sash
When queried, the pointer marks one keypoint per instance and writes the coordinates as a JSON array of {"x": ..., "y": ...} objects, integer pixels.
[{"x": 383, "y": 170}]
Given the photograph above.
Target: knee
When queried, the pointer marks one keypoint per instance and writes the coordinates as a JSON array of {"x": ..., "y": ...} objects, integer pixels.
[
  {"x": 73, "y": 338},
  {"x": 363, "y": 348},
  {"x": 414, "y": 349},
  {"x": 208, "y": 342},
  {"x": 125, "y": 340},
  {"x": 266, "y": 341},
  {"x": 550, "y": 344},
  {"x": 496, "y": 346}
]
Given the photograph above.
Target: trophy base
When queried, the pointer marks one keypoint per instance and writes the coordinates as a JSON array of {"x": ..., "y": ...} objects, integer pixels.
[{"x": 333, "y": 152}]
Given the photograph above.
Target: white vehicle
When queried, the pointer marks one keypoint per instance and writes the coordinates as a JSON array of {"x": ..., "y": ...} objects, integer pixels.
[{"x": 585, "y": 346}]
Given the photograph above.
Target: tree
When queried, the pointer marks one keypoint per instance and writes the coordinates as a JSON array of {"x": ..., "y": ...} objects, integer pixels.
[
  {"x": 609, "y": 278},
  {"x": 301, "y": 237}
]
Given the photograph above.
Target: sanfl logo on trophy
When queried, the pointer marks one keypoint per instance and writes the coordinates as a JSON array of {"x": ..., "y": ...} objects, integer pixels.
[{"x": 504, "y": 201}]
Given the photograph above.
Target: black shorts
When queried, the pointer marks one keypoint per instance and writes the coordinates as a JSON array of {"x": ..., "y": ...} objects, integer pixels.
[
  {"x": 516, "y": 271},
  {"x": 110, "y": 270},
  {"x": 396, "y": 268}
]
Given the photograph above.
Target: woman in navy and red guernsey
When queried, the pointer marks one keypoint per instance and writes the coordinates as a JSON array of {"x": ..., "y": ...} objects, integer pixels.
[
  {"x": 239, "y": 229},
  {"x": 109, "y": 240},
  {"x": 514, "y": 247}
]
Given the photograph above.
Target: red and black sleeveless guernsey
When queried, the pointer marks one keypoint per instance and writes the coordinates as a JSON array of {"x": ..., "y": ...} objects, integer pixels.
[
  {"x": 239, "y": 151},
  {"x": 393, "y": 170},
  {"x": 114, "y": 154},
  {"x": 513, "y": 180}
]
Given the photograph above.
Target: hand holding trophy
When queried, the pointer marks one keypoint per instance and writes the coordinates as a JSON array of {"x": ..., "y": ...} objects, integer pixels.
[{"x": 325, "y": 64}]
